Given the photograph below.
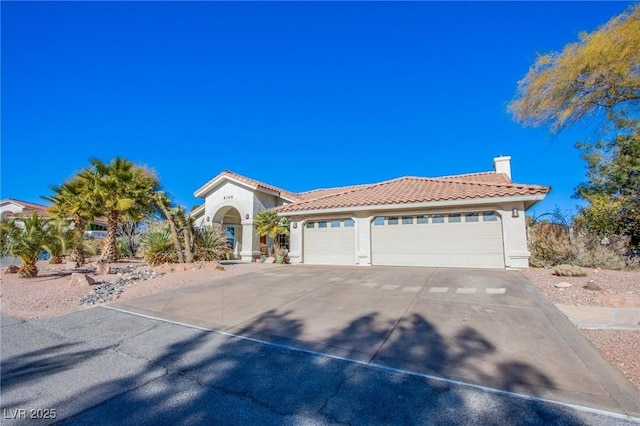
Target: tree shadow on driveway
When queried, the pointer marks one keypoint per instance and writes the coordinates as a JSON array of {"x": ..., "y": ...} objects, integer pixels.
[{"x": 190, "y": 376}]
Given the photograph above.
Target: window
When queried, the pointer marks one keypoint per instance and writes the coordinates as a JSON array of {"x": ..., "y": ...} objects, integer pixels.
[
  {"x": 454, "y": 218},
  {"x": 407, "y": 220},
  {"x": 378, "y": 221},
  {"x": 437, "y": 218},
  {"x": 322, "y": 224},
  {"x": 392, "y": 220},
  {"x": 335, "y": 224},
  {"x": 490, "y": 216},
  {"x": 471, "y": 217},
  {"x": 230, "y": 233},
  {"x": 311, "y": 225},
  {"x": 349, "y": 223},
  {"x": 423, "y": 219}
]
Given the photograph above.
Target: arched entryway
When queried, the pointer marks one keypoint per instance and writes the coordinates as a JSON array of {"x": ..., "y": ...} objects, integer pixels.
[{"x": 231, "y": 222}]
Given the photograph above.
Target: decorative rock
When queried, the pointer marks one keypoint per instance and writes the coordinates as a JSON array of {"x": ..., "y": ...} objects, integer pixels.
[
  {"x": 103, "y": 269},
  {"x": 592, "y": 285},
  {"x": 81, "y": 279},
  {"x": 12, "y": 269},
  {"x": 563, "y": 285}
]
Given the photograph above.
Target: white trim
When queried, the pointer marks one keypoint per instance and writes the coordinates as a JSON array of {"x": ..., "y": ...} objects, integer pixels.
[
  {"x": 209, "y": 187},
  {"x": 423, "y": 205}
]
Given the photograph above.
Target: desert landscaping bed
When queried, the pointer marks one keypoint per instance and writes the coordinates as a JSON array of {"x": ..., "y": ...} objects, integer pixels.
[
  {"x": 618, "y": 289},
  {"x": 53, "y": 293}
]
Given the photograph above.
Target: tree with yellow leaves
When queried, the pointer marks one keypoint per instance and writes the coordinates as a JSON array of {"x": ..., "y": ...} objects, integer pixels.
[{"x": 599, "y": 73}]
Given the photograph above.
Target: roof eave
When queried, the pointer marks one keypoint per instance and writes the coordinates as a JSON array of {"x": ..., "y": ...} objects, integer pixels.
[{"x": 533, "y": 198}]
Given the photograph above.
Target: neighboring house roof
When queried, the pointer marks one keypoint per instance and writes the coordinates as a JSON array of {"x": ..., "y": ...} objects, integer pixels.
[
  {"x": 228, "y": 174},
  {"x": 408, "y": 190},
  {"x": 26, "y": 207}
]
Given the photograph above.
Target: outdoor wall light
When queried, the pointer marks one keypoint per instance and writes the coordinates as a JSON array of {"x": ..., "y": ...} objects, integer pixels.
[
  {"x": 515, "y": 213},
  {"x": 295, "y": 225},
  {"x": 246, "y": 216},
  {"x": 208, "y": 219}
]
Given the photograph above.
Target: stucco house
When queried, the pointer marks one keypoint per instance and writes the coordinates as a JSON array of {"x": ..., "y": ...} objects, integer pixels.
[
  {"x": 11, "y": 208},
  {"x": 472, "y": 220}
]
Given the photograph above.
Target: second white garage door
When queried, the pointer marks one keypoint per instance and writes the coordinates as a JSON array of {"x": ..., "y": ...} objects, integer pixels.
[
  {"x": 472, "y": 240},
  {"x": 329, "y": 242}
]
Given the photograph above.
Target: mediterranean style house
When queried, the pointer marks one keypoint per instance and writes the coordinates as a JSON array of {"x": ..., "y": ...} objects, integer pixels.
[
  {"x": 10, "y": 208},
  {"x": 473, "y": 220}
]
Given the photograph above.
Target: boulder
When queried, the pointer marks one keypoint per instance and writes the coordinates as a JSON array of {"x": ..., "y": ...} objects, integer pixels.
[
  {"x": 12, "y": 269},
  {"x": 592, "y": 285},
  {"x": 78, "y": 279},
  {"x": 563, "y": 285},
  {"x": 103, "y": 269}
]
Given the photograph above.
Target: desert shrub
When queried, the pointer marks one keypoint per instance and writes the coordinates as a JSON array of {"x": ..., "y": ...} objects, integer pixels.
[
  {"x": 592, "y": 251},
  {"x": 211, "y": 244},
  {"x": 157, "y": 246},
  {"x": 124, "y": 248},
  {"x": 92, "y": 247},
  {"x": 549, "y": 245},
  {"x": 569, "y": 271}
]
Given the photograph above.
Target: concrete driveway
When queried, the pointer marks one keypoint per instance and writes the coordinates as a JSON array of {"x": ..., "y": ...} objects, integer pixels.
[{"x": 488, "y": 328}]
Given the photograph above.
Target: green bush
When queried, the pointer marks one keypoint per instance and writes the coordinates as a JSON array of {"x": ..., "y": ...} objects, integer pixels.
[
  {"x": 211, "y": 244},
  {"x": 569, "y": 271},
  {"x": 157, "y": 246}
]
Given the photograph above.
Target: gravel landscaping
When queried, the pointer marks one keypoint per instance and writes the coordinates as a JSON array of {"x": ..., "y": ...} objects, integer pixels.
[{"x": 618, "y": 289}]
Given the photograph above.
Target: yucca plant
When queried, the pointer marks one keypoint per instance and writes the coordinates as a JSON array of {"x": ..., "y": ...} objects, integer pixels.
[
  {"x": 28, "y": 242},
  {"x": 157, "y": 246},
  {"x": 211, "y": 244}
]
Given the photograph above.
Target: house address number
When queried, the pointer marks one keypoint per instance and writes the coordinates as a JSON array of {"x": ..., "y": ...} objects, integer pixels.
[{"x": 228, "y": 197}]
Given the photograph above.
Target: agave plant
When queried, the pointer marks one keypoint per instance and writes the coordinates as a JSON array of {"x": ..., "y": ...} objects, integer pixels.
[
  {"x": 211, "y": 244},
  {"x": 27, "y": 242},
  {"x": 157, "y": 246}
]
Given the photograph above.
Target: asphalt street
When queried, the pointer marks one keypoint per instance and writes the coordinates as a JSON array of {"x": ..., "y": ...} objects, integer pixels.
[{"x": 102, "y": 366}]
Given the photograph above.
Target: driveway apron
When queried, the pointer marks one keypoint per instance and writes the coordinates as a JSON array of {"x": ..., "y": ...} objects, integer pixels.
[{"x": 489, "y": 328}]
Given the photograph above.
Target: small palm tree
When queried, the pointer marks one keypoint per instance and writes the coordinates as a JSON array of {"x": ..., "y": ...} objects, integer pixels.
[
  {"x": 28, "y": 242},
  {"x": 268, "y": 223},
  {"x": 71, "y": 202},
  {"x": 118, "y": 188},
  {"x": 58, "y": 238}
]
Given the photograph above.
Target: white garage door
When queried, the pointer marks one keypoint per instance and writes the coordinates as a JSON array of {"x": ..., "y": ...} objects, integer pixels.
[
  {"x": 329, "y": 242},
  {"x": 472, "y": 240}
]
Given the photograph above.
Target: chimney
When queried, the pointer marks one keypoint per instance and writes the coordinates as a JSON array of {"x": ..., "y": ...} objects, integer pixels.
[{"x": 502, "y": 164}]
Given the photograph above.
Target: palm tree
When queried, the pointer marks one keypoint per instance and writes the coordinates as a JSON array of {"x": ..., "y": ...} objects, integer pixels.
[
  {"x": 28, "y": 242},
  {"x": 268, "y": 223},
  {"x": 118, "y": 188},
  {"x": 71, "y": 201},
  {"x": 58, "y": 238}
]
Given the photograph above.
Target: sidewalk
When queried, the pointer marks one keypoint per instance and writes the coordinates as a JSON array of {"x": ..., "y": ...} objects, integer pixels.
[{"x": 601, "y": 318}]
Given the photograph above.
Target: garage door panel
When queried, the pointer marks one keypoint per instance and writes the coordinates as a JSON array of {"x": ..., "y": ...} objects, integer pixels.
[
  {"x": 329, "y": 246},
  {"x": 462, "y": 244}
]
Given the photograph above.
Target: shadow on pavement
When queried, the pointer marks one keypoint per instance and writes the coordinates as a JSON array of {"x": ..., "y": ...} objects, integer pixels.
[{"x": 211, "y": 378}]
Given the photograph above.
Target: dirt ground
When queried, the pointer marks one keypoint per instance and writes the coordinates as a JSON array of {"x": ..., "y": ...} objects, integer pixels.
[{"x": 52, "y": 294}]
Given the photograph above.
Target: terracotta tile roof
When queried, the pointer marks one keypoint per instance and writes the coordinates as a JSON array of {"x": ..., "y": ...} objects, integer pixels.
[
  {"x": 410, "y": 189},
  {"x": 251, "y": 182},
  {"x": 27, "y": 208},
  {"x": 486, "y": 177}
]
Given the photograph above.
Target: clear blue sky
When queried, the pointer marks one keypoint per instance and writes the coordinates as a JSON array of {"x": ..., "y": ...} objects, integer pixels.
[{"x": 298, "y": 95}]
